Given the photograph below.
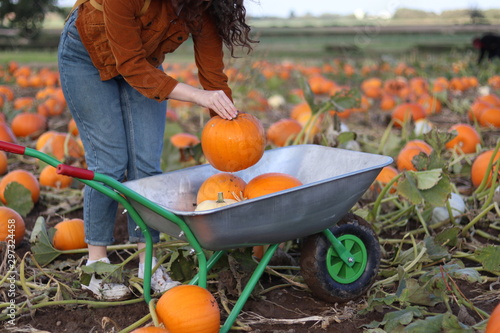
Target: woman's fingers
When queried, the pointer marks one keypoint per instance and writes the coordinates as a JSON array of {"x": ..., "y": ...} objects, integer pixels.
[{"x": 221, "y": 104}]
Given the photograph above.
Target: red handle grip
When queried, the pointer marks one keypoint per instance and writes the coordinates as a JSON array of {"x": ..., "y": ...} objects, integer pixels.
[
  {"x": 12, "y": 147},
  {"x": 68, "y": 170}
]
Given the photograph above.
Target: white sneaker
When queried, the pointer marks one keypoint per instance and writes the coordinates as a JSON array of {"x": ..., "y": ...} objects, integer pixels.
[
  {"x": 160, "y": 280},
  {"x": 106, "y": 290}
]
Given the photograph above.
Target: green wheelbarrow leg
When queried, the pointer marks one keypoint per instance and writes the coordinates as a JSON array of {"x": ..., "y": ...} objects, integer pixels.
[{"x": 254, "y": 279}]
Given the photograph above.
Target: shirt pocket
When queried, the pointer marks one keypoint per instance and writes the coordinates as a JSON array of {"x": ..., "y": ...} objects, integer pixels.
[
  {"x": 151, "y": 27},
  {"x": 172, "y": 41}
]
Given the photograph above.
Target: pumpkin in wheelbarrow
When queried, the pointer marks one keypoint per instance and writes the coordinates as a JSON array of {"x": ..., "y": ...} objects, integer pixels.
[
  {"x": 268, "y": 183},
  {"x": 233, "y": 145},
  {"x": 231, "y": 186}
]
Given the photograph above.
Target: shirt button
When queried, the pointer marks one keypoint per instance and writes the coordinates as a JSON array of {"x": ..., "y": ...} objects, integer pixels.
[
  {"x": 154, "y": 59},
  {"x": 157, "y": 97},
  {"x": 149, "y": 24},
  {"x": 180, "y": 38}
]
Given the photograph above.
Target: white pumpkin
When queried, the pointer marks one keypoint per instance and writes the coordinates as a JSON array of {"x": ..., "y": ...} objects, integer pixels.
[
  {"x": 212, "y": 204},
  {"x": 457, "y": 206}
]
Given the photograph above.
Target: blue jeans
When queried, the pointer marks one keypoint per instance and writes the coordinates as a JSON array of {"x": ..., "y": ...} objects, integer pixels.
[{"x": 121, "y": 131}]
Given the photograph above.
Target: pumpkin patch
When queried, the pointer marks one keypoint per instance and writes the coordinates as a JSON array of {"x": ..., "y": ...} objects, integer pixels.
[{"x": 375, "y": 106}]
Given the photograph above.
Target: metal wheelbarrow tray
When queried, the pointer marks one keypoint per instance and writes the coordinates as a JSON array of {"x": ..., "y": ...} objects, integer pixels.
[{"x": 333, "y": 181}]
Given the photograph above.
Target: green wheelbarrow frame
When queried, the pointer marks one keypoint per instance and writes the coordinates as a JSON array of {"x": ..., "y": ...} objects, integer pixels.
[{"x": 119, "y": 192}]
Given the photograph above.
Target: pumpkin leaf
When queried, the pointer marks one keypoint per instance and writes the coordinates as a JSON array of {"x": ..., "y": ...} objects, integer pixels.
[
  {"x": 108, "y": 272},
  {"x": 345, "y": 99},
  {"x": 181, "y": 266},
  {"x": 425, "y": 186},
  {"x": 445, "y": 322},
  {"x": 489, "y": 257},
  {"x": 435, "y": 250},
  {"x": 37, "y": 228},
  {"x": 448, "y": 237},
  {"x": 454, "y": 270},
  {"x": 418, "y": 294},
  {"x": 42, "y": 249},
  {"x": 407, "y": 187},
  {"x": 438, "y": 139},
  {"x": 396, "y": 320},
  {"x": 19, "y": 198},
  {"x": 428, "y": 179},
  {"x": 346, "y": 137},
  {"x": 308, "y": 94}
]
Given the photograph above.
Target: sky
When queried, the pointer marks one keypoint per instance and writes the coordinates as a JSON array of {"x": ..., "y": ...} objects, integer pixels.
[{"x": 283, "y": 8}]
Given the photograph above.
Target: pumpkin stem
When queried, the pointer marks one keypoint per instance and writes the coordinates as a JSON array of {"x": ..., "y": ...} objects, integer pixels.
[
  {"x": 238, "y": 197},
  {"x": 220, "y": 197}
]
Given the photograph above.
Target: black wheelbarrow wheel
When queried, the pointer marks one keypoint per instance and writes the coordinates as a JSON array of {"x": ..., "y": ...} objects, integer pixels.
[{"x": 328, "y": 277}]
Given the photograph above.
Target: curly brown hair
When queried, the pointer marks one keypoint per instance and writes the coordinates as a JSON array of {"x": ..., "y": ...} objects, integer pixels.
[{"x": 230, "y": 16}]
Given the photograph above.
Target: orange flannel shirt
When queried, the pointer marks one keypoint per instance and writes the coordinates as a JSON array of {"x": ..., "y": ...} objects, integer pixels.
[{"x": 122, "y": 42}]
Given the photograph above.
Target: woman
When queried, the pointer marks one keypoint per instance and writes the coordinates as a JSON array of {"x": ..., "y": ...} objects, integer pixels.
[{"x": 110, "y": 63}]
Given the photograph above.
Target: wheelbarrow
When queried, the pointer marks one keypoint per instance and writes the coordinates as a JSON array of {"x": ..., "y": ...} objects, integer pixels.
[{"x": 340, "y": 256}]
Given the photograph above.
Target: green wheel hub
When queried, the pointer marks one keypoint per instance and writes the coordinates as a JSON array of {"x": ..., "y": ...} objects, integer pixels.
[{"x": 338, "y": 269}]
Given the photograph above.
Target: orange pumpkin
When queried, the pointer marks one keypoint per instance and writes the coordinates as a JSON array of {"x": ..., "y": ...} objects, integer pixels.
[
  {"x": 268, "y": 183},
  {"x": 385, "y": 176},
  {"x": 26, "y": 124},
  {"x": 69, "y": 235},
  {"x": 49, "y": 177},
  {"x": 283, "y": 130},
  {"x": 404, "y": 160},
  {"x": 11, "y": 225},
  {"x": 4, "y": 163},
  {"x": 72, "y": 128},
  {"x": 189, "y": 309},
  {"x": 479, "y": 166},
  {"x": 229, "y": 184},
  {"x": 61, "y": 145},
  {"x": 150, "y": 329},
  {"x": 477, "y": 108},
  {"x": 23, "y": 177},
  {"x": 430, "y": 104},
  {"x": 233, "y": 145},
  {"x": 7, "y": 92},
  {"x": 387, "y": 102},
  {"x": 406, "y": 112},
  {"x": 493, "y": 325},
  {"x": 490, "y": 117},
  {"x": 6, "y": 133},
  {"x": 466, "y": 140},
  {"x": 372, "y": 87},
  {"x": 183, "y": 141}
]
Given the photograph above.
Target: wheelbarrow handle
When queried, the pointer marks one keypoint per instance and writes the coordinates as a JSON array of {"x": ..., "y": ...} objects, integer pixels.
[
  {"x": 68, "y": 170},
  {"x": 12, "y": 147}
]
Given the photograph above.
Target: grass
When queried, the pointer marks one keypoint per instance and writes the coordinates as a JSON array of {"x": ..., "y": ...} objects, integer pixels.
[{"x": 29, "y": 57}]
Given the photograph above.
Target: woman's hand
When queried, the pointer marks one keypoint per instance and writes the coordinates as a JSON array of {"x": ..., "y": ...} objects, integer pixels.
[{"x": 215, "y": 100}]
